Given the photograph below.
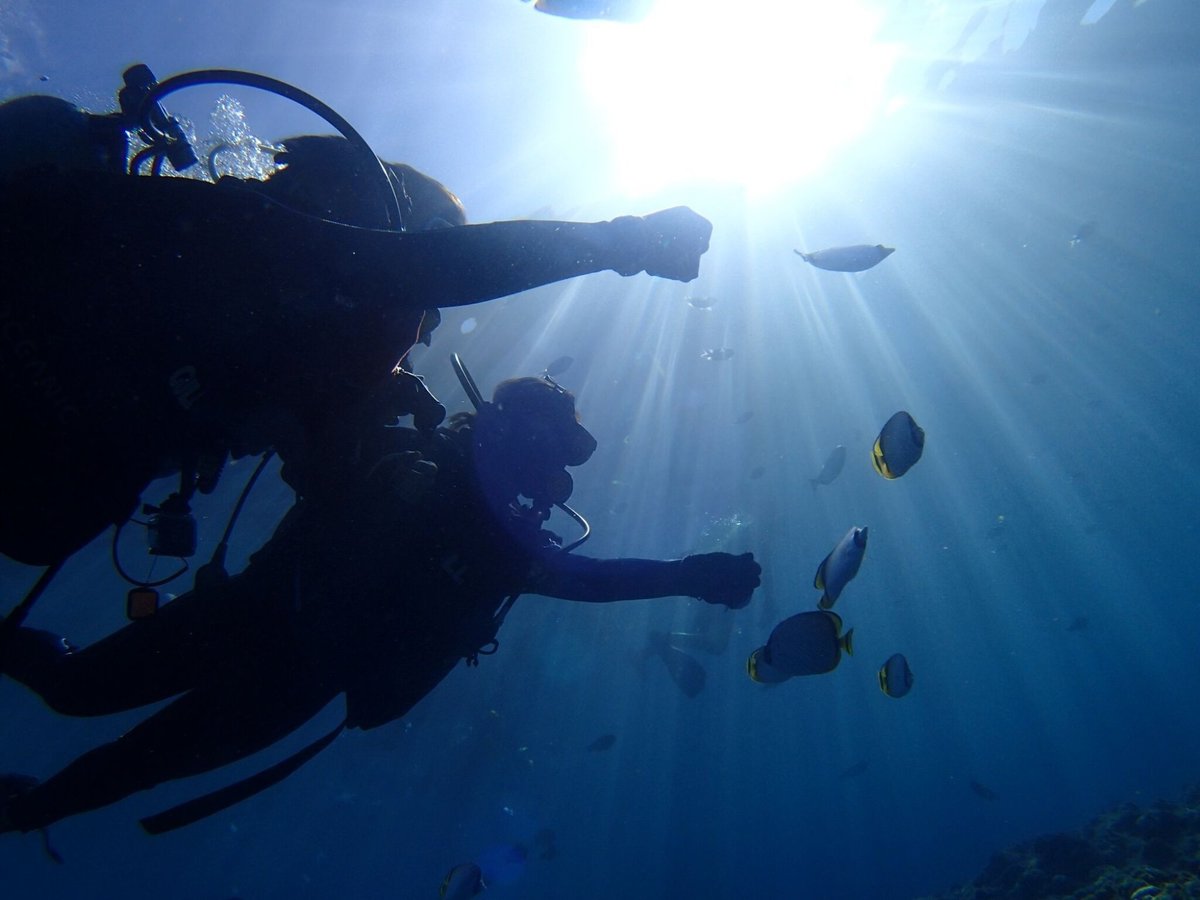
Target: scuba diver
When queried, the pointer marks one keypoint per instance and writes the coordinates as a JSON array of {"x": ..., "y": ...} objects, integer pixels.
[
  {"x": 347, "y": 597},
  {"x": 160, "y": 325}
]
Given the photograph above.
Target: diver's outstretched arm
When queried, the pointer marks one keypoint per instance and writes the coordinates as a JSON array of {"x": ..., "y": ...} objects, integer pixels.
[
  {"x": 720, "y": 578},
  {"x": 165, "y": 234},
  {"x": 472, "y": 263},
  {"x": 572, "y": 577}
]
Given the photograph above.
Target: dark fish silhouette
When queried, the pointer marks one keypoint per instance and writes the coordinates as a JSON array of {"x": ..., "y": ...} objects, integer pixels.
[
  {"x": 744, "y": 417},
  {"x": 983, "y": 791},
  {"x": 899, "y": 446},
  {"x": 808, "y": 643},
  {"x": 832, "y": 468},
  {"x": 757, "y": 473},
  {"x": 612, "y": 10},
  {"x": 895, "y": 677},
  {"x": 1079, "y": 623},
  {"x": 559, "y": 366},
  {"x": 857, "y": 258},
  {"x": 604, "y": 742}
]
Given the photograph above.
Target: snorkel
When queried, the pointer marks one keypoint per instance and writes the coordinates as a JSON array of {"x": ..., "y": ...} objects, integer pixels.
[{"x": 558, "y": 491}]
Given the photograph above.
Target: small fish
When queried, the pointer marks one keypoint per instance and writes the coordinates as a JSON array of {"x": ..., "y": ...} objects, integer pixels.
[
  {"x": 808, "y": 643},
  {"x": 1082, "y": 233},
  {"x": 757, "y": 472},
  {"x": 559, "y": 366},
  {"x": 1079, "y": 623},
  {"x": 701, "y": 302},
  {"x": 462, "y": 882},
  {"x": 716, "y": 354},
  {"x": 983, "y": 791},
  {"x": 612, "y": 10},
  {"x": 840, "y": 566},
  {"x": 855, "y": 770},
  {"x": 744, "y": 417},
  {"x": 895, "y": 677},
  {"x": 857, "y": 258},
  {"x": 899, "y": 446},
  {"x": 832, "y": 468},
  {"x": 602, "y": 743}
]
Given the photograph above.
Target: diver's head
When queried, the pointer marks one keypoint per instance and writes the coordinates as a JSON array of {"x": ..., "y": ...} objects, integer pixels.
[
  {"x": 327, "y": 176},
  {"x": 527, "y": 437},
  {"x": 41, "y": 132},
  {"x": 432, "y": 204}
]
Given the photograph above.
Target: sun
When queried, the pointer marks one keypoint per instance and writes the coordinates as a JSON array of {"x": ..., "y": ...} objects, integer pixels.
[{"x": 757, "y": 94}]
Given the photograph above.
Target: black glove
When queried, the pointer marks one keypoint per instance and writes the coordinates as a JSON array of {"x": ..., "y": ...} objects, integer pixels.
[
  {"x": 720, "y": 578},
  {"x": 666, "y": 244}
]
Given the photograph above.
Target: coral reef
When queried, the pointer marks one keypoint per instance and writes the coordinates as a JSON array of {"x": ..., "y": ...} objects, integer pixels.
[{"x": 1126, "y": 853}]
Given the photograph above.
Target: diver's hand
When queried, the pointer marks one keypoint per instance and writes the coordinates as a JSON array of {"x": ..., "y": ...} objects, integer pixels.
[
  {"x": 671, "y": 243},
  {"x": 721, "y": 578}
]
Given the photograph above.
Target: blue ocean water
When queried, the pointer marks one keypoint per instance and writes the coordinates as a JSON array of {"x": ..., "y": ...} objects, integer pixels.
[{"x": 1034, "y": 165}]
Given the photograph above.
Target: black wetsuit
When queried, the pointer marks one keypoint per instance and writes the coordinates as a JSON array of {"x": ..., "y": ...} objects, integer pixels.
[
  {"x": 347, "y": 596},
  {"x": 148, "y": 322}
]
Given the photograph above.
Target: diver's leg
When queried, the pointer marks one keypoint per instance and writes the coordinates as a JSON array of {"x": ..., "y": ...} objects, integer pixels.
[
  {"x": 206, "y": 728},
  {"x": 148, "y": 660}
]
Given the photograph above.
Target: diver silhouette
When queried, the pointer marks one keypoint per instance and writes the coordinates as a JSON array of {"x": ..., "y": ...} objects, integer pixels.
[
  {"x": 159, "y": 325},
  {"x": 347, "y": 597}
]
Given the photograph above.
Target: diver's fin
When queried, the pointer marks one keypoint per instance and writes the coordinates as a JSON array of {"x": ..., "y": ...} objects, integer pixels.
[
  {"x": 17, "y": 614},
  {"x": 712, "y": 636},
  {"x": 687, "y": 674},
  {"x": 54, "y": 855},
  {"x": 202, "y": 807}
]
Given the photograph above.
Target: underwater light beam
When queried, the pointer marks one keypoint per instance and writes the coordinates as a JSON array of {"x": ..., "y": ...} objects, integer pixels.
[{"x": 758, "y": 95}]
